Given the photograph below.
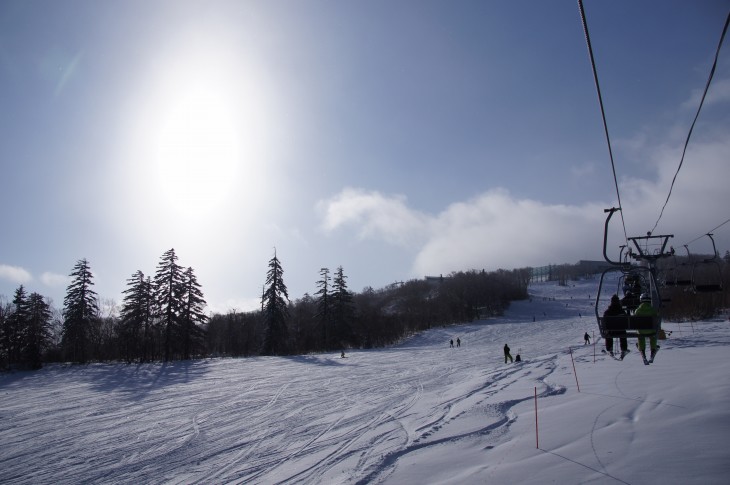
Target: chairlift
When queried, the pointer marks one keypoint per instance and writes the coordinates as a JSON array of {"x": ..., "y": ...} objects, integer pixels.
[
  {"x": 649, "y": 249},
  {"x": 680, "y": 274},
  {"x": 707, "y": 274},
  {"x": 624, "y": 326}
]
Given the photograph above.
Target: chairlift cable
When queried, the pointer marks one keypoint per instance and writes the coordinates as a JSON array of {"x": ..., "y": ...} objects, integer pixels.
[
  {"x": 691, "y": 128},
  {"x": 603, "y": 113},
  {"x": 705, "y": 234}
]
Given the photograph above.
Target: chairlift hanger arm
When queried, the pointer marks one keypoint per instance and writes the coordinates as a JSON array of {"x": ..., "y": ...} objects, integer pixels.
[
  {"x": 610, "y": 212},
  {"x": 714, "y": 249}
]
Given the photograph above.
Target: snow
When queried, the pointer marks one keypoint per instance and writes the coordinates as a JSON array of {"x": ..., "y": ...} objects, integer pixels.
[{"x": 418, "y": 412}]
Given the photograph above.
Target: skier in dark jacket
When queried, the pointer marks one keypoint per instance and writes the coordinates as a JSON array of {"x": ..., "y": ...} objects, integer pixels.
[
  {"x": 615, "y": 309},
  {"x": 507, "y": 354},
  {"x": 586, "y": 339}
]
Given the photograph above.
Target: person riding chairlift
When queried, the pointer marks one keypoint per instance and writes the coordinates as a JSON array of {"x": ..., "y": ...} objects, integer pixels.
[{"x": 645, "y": 309}]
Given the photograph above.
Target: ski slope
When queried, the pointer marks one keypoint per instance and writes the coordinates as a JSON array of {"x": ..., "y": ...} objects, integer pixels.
[{"x": 418, "y": 412}]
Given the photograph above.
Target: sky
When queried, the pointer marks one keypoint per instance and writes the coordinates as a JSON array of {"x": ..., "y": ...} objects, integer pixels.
[
  {"x": 394, "y": 139},
  {"x": 418, "y": 412}
]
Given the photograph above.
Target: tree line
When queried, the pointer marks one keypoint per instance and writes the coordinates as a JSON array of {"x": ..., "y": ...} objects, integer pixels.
[{"x": 162, "y": 318}]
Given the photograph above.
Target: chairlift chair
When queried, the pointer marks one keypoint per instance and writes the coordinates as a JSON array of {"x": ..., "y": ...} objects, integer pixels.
[
  {"x": 649, "y": 249},
  {"x": 623, "y": 326},
  {"x": 707, "y": 274}
]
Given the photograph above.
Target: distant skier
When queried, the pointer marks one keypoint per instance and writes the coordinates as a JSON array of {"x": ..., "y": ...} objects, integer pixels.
[
  {"x": 451, "y": 343},
  {"x": 518, "y": 358},
  {"x": 458, "y": 342},
  {"x": 586, "y": 339},
  {"x": 507, "y": 354}
]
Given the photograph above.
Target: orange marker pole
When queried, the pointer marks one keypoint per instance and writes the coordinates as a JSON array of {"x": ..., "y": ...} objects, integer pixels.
[
  {"x": 537, "y": 440},
  {"x": 574, "y": 372}
]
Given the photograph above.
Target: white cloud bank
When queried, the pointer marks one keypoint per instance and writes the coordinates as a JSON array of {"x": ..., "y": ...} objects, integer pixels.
[
  {"x": 54, "y": 279},
  {"x": 496, "y": 230},
  {"x": 15, "y": 274},
  {"x": 493, "y": 230},
  {"x": 375, "y": 215}
]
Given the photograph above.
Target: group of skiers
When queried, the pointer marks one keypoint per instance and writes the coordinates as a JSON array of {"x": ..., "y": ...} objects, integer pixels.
[
  {"x": 617, "y": 307},
  {"x": 507, "y": 355}
]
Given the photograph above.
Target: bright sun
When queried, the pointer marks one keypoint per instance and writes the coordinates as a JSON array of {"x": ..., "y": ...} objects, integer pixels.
[
  {"x": 198, "y": 147},
  {"x": 200, "y": 127}
]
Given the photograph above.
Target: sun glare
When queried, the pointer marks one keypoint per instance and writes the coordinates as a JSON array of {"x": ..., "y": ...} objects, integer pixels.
[
  {"x": 205, "y": 120},
  {"x": 198, "y": 132},
  {"x": 198, "y": 150}
]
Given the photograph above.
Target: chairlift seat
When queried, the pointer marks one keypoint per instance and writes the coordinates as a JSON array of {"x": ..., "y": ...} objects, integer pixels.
[
  {"x": 627, "y": 326},
  {"x": 709, "y": 288}
]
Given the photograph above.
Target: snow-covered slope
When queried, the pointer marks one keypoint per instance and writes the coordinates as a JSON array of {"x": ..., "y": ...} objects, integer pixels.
[{"x": 419, "y": 412}]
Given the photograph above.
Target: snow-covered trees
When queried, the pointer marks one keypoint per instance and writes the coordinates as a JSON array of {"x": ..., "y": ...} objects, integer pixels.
[
  {"x": 80, "y": 308},
  {"x": 274, "y": 303}
]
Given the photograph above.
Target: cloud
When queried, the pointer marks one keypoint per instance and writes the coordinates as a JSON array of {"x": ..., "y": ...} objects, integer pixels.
[
  {"x": 55, "y": 280},
  {"x": 491, "y": 231},
  {"x": 235, "y": 305},
  {"x": 719, "y": 92},
  {"x": 496, "y": 230},
  {"x": 373, "y": 215},
  {"x": 582, "y": 171},
  {"x": 699, "y": 199},
  {"x": 15, "y": 274}
]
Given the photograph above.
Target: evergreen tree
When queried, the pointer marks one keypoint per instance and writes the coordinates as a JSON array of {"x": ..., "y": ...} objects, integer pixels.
[
  {"x": 324, "y": 313},
  {"x": 343, "y": 310},
  {"x": 137, "y": 318},
  {"x": 192, "y": 316},
  {"x": 15, "y": 327},
  {"x": 37, "y": 336},
  {"x": 5, "y": 311},
  {"x": 275, "y": 308},
  {"x": 80, "y": 309},
  {"x": 169, "y": 287}
]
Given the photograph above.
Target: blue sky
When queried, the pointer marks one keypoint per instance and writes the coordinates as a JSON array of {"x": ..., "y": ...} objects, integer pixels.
[{"x": 396, "y": 139}]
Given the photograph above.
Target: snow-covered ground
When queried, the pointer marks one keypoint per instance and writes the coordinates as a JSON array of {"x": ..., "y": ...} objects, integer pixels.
[{"x": 416, "y": 413}]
